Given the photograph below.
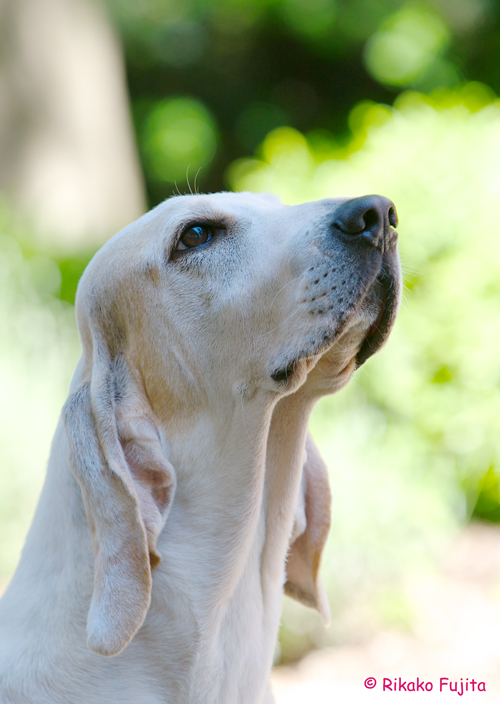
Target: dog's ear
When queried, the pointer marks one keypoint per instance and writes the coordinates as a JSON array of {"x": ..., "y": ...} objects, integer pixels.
[
  {"x": 127, "y": 486},
  {"x": 312, "y": 524}
]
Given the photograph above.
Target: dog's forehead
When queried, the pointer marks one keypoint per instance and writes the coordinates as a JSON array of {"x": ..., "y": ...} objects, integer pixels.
[
  {"x": 234, "y": 201},
  {"x": 233, "y": 206}
]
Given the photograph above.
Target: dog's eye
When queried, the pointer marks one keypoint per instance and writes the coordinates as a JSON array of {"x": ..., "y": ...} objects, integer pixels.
[{"x": 194, "y": 237}]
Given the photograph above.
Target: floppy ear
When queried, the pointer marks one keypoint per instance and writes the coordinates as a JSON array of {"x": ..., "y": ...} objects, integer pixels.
[
  {"x": 127, "y": 486},
  {"x": 312, "y": 524}
]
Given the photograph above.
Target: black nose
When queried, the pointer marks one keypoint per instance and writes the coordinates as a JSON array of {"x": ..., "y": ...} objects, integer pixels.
[{"x": 370, "y": 217}]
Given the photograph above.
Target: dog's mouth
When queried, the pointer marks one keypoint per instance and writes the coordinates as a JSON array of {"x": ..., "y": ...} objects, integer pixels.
[{"x": 379, "y": 331}]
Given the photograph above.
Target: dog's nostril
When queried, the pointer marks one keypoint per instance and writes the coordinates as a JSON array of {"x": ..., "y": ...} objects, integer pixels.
[
  {"x": 393, "y": 217},
  {"x": 371, "y": 218}
]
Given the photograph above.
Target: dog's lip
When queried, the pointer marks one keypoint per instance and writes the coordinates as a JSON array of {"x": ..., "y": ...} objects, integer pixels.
[
  {"x": 346, "y": 368},
  {"x": 379, "y": 331}
]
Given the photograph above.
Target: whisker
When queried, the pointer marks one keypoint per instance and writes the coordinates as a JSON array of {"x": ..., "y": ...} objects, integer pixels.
[
  {"x": 274, "y": 172},
  {"x": 278, "y": 326},
  {"x": 187, "y": 179},
  {"x": 281, "y": 289},
  {"x": 406, "y": 268},
  {"x": 320, "y": 360},
  {"x": 195, "y": 179}
]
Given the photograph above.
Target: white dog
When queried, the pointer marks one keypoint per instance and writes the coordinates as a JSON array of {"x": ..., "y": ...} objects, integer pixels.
[{"x": 178, "y": 480}]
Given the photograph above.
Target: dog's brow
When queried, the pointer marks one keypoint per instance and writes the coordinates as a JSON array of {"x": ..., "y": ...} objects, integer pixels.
[{"x": 217, "y": 218}]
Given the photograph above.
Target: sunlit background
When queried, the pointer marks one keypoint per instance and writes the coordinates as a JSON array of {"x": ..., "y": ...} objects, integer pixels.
[{"x": 107, "y": 108}]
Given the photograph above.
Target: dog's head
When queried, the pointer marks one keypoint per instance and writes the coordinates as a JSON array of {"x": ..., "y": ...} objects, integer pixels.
[{"x": 206, "y": 301}]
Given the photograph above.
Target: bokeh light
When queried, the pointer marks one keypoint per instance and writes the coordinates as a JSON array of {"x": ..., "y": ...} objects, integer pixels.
[
  {"x": 407, "y": 45},
  {"x": 179, "y": 134}
]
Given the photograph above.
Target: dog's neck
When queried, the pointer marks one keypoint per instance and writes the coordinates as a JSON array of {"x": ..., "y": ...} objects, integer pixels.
[
  {"x": 212, "y": 624},
  {"x": 241, "y": 497}
]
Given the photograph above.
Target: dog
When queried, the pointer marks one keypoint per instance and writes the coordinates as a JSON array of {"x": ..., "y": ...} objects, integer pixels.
[{"x": 183, "y": 493}]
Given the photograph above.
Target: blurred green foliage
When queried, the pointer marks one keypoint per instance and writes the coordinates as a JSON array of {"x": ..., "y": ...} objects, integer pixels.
[{"x": 260, "y": 64}]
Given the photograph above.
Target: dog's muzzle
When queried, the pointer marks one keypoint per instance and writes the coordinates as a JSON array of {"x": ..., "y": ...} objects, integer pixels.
[{"x": 371, "y": 220}]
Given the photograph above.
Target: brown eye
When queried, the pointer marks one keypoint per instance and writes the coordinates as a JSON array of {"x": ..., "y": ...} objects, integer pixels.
[{"x": 194, "y": 237}]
